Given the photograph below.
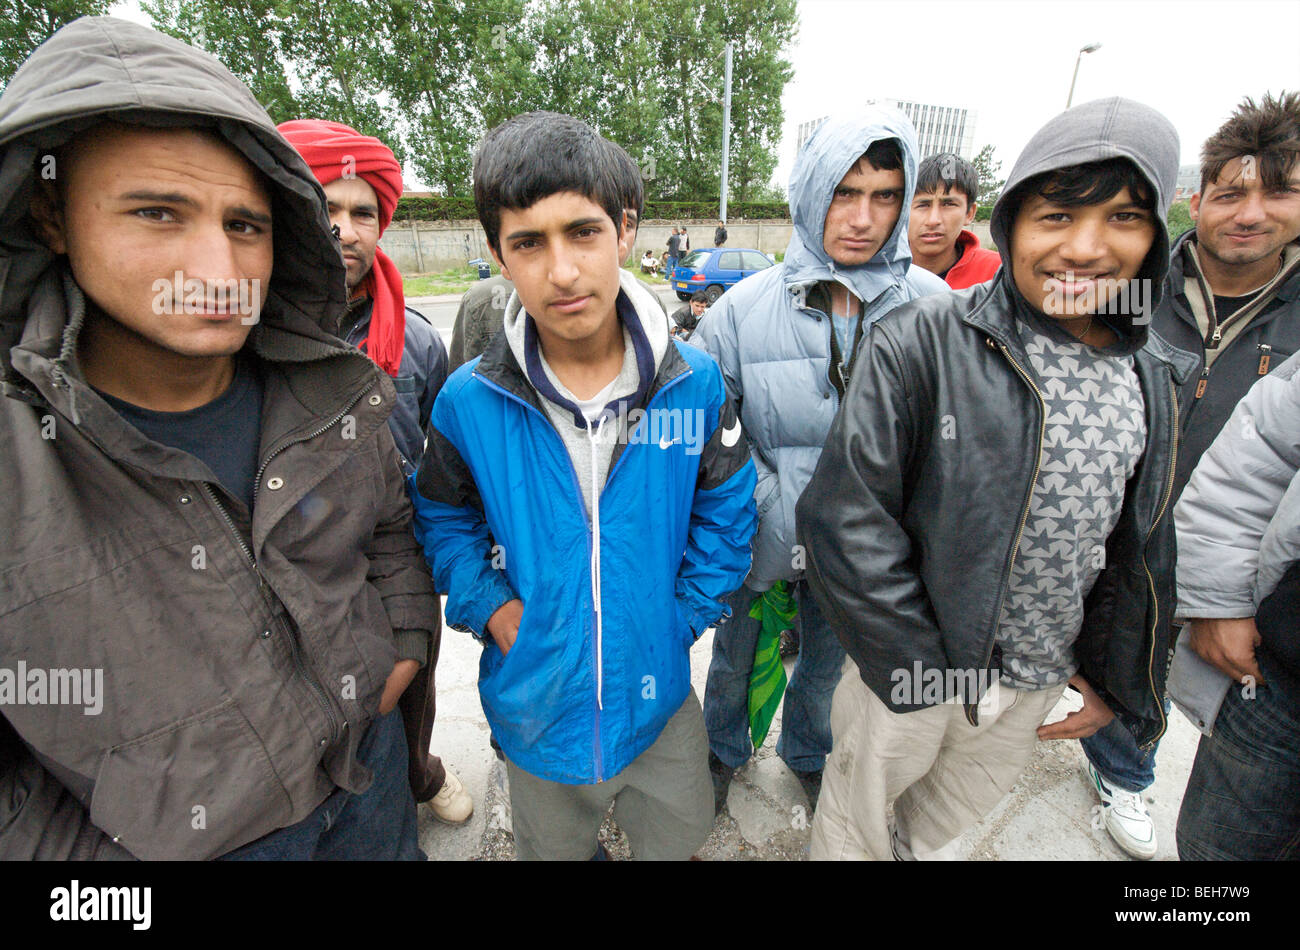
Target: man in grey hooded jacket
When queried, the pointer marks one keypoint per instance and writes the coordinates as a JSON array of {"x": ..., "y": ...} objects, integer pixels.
[
  {"x": 989, "y": 520},
  {"x": 786, "y": 339},
  {"x": 204, "y": 511}
]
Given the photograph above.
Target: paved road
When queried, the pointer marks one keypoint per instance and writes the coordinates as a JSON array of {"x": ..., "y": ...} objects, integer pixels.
[{"x": 441, "y": 311}]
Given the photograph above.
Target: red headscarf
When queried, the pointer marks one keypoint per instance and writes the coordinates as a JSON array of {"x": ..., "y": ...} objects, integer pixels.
[{"x": 334, "y": 150}]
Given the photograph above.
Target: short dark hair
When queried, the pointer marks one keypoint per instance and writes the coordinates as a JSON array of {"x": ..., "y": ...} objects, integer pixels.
[
  {"x": 1090, "y": 183},
  {"x": 884, "y": 155},
  {"x": 1269, "y": 131},
  {"x": 536, "y": 155},
  {"x": 699, "y": 297},
  {"x": 951, "y": 171}
]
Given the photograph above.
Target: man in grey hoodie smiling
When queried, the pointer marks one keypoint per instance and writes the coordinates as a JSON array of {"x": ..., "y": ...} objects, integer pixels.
[{"x": 988, "y": 522}]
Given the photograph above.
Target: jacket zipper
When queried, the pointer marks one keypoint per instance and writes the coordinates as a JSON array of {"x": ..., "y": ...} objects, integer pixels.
[
  {"x": 1155, "y": 600},
  {"x": 972, "y": 710},
  {"x": 593, "y": 553}
]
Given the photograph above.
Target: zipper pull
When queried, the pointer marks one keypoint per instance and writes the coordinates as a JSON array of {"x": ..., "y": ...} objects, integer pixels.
[
  {"x": 1216, "y": 337},
  {"x": 1204, "y": 381},
  {"x": 1265, "y": 354}
]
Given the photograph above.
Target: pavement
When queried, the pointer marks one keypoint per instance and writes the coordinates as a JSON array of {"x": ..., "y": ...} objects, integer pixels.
[{"x": 1048, "y": 815}]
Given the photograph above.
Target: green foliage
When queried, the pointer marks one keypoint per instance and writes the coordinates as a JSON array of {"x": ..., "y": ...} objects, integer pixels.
[
  {"x": 430, "y": 76},
  {"x": 1179, "y": 219},
  {"x": 984, "y": 212},
  {"x": 25, "y": 25},
  {"x": 990, "y": 184}
]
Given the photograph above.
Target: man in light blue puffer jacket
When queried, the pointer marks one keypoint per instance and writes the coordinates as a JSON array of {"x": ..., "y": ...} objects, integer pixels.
[{"x": 848, "y": 264}]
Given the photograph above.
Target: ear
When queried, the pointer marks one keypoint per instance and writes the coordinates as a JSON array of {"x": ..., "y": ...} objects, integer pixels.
[
  {"x": 496, "y": 256},
  {"x": 970, "y": 211},
  {"x": 47, "y": 211},
  {"x": 1194, "y": 206}
]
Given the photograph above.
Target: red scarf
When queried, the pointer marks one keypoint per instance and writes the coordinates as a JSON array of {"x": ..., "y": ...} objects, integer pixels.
[{"x": 334, "y": 150}]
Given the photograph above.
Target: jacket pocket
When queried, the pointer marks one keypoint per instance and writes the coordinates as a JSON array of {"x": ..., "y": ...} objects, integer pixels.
[{"x": 191, "y": 791}]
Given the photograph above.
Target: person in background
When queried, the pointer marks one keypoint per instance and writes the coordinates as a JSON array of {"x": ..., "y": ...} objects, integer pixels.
[
  {"x": 1232, "y": 300},
  {"x": 787, "y": 339},
  {"x": 687, "y": 317},
  {"x": 363, "y": 181},
  {"x": 942, "y": 210}
]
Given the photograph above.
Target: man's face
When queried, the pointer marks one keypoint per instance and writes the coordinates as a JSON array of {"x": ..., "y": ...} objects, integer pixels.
[
  {"x": 1239, "y": 221},
  {"x": 864, "y": 209},
  {"x": 563, "y": 255},
  {"x": 140, "y": 207},
  {"x": 354, "y": 210},
  {"x": 937, "y": 219},
  {"x": 1066, "y": 261},
  {"x": 698, "y": 307}
]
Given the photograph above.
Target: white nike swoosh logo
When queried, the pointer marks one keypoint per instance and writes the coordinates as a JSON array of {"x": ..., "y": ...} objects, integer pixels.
[
  {"x": 731, "y": 436},
  {"x": 664, "y": 443}
]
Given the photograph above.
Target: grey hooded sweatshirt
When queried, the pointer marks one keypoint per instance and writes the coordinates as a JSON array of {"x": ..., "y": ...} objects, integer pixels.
[{"x": 236, "y": 658}]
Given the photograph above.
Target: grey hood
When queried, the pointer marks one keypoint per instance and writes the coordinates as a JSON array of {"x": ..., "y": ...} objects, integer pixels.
[
  {"x": 1093, "y": 132},
  {"x": 820, "y": 165},
  {"x": 131, "y": 74}
]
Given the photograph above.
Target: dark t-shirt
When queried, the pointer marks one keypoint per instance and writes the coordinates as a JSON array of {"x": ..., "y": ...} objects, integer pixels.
[
  {"x": 1227, "y": 306},
  {"x": 674, "y": 245},
  {"x": 224, "y": 434}
]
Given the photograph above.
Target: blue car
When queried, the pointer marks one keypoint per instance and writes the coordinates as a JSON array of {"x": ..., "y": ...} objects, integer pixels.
[{"x": 714, "y": 269}]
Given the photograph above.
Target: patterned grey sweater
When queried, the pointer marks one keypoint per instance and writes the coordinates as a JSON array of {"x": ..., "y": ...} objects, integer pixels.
[{"x": 1095, "y": 435}]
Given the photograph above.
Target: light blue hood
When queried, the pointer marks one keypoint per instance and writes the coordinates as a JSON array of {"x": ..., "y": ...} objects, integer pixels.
[{"x": 825, "y": 159}]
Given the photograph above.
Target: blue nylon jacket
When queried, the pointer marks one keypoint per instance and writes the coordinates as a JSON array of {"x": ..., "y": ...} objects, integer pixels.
[{"x": 500, "y": 514}]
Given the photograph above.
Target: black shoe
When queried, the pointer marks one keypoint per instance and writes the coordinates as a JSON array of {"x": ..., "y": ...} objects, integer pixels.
[
  {"x": 789, "y": 645},
  {"x": 721, "y": 774},
  {"x": 812, "y": 785}
]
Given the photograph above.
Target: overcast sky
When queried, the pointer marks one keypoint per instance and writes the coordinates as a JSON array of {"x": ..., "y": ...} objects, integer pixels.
[{"x": 1011, "y": 60}]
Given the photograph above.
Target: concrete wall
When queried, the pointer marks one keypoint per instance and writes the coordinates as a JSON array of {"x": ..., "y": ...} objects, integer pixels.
[{"x": 444, "y": 245}]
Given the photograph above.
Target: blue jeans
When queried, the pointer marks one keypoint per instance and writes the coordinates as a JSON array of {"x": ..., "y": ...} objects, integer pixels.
[
  {"x": 806, "y": 719},
  {"x": 377, "y": 825},
  {"x": 669, "y": 265},
  {"x": 1115, "y": 754},
  {"x": 1243, "y": 797}
]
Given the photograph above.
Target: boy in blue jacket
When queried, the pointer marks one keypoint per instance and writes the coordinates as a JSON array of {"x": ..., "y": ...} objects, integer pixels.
[{"x": 586, "y": 500}]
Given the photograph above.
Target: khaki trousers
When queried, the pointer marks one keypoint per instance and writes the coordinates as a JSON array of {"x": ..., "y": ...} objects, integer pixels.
[{"x": 941, "y": 773}]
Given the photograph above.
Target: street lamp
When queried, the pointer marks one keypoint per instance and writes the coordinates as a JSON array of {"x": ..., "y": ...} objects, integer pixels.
[{"x": 1090, "y": 48}]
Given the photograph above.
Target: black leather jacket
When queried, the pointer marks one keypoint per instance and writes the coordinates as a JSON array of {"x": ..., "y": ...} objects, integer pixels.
[{"x": 913, "y": 517}]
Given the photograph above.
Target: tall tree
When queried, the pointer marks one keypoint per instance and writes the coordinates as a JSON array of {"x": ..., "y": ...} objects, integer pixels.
[
  {"x": 25, "y": 25},
  {"x": 987, "y": 168},
  {"x": 245, "y": 36}
]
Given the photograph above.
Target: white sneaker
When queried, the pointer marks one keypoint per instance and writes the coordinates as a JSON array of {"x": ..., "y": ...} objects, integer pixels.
[
  {"x": 452, "y": 804},
  {"x": 1125, "y": 817}
]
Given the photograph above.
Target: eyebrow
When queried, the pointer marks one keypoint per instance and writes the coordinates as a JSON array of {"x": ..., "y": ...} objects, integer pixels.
[
  {"x": 176, "y": 198},
  {"x": 571, "y": 226},
  {"x": 364, "y": 206}
]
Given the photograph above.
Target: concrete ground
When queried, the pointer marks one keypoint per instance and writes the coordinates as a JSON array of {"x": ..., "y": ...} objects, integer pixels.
[{"x": 1047, "y": 816}]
